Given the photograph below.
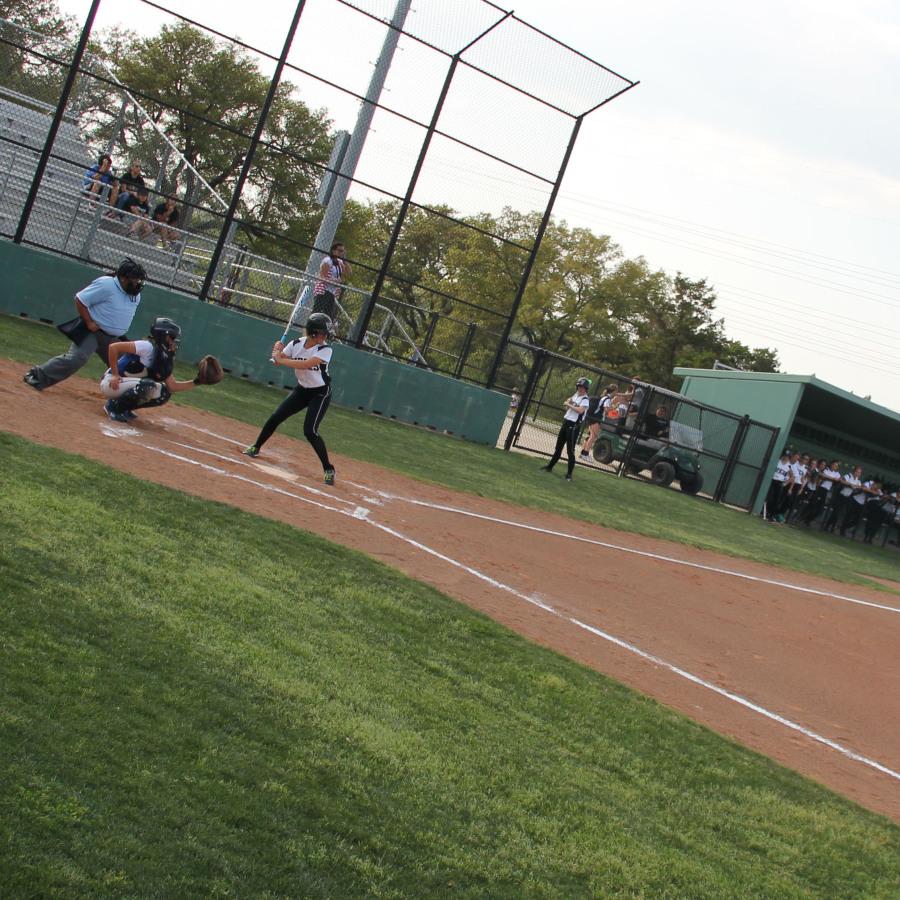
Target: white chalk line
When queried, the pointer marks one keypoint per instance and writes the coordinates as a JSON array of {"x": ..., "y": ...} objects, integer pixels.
[
  {"x": 362, "y": 514},
  {"x": 645, "y": 553}
]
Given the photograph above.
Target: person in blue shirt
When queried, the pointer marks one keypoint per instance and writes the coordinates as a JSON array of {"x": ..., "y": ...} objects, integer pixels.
[
  {"x": 99, "y": 177},
  {"x": 106, "y": 309}
]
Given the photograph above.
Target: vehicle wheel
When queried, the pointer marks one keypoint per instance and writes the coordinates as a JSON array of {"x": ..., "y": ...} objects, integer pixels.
[
  {"x": 662, "y": 473},
  {"x": 603, "y": 451},
  {"x": 691, "y": 484}
]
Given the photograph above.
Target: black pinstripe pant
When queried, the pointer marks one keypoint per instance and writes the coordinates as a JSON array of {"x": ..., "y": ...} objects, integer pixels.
[
  {"x": 315, "y": 401},
  {"x": 567, "y": 437}
]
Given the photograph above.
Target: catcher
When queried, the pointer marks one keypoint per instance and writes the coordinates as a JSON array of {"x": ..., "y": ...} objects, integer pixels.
[{"x": 140, "y": 372}]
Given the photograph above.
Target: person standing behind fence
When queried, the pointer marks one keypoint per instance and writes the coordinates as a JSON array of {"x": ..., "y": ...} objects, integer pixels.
[
  {"x": 334, "y": 272},
  {"x": 595, "y": 414},
  {"x": 576, "y": 407}
]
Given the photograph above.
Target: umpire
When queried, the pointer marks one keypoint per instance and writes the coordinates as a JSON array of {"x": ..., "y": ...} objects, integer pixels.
[{"x": 106, "y": 309}]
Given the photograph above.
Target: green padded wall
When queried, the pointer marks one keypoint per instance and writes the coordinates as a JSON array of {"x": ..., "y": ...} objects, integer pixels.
[{"x": 42, "y": 286}]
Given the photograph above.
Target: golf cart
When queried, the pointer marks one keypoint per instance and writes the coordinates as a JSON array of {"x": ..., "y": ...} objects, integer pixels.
[{"x": 676, "y": 456}]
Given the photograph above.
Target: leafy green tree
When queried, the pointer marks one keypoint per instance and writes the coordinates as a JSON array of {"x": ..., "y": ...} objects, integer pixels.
[
  {"x": 206, "y": 95},
  {"x": 37, "y": 27}
]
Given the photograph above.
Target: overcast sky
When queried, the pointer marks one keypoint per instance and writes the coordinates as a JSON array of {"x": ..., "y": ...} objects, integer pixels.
[{"x": 759, "y": 151}]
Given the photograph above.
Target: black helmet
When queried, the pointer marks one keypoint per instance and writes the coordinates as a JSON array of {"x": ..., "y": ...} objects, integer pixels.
[
  {"x": 583, "y": 382},
  {"x": 319, "y": 323},
  {"x": 134, "y": 273},
  {"x": 162, "y": 327}
]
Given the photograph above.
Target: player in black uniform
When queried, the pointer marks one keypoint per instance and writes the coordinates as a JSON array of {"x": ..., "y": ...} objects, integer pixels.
[
  {"x": 309, "y": 358},
  {"x": 576, "y": 407}
]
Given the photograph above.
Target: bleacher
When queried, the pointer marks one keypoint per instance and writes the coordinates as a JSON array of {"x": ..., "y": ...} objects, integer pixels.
[{"x": 66, "y": 220}]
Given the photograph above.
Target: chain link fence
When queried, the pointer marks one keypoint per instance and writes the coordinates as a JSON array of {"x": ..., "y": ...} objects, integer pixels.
[
  {"x": 635, "y": 429},
  {"x": 449, "y": 148}
]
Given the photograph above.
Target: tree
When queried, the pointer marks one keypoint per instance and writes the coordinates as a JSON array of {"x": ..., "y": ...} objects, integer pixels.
[
  {"x": 38, "y": 30},
  {"x": 206, "y": 95}
]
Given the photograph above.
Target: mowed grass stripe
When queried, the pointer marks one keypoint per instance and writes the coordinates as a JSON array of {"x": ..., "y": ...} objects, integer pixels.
[
  {"x": 197, "y": 701},
  {"x": 593, "y": 497}
]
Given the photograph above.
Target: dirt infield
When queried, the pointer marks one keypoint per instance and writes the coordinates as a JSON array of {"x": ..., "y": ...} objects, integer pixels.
[{"x": 801, "y": 669}]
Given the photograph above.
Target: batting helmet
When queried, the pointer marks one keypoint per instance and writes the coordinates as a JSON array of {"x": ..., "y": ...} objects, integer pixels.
[
  {"x": 319, "y": 323},
  {"x": 583, "y": 382}
]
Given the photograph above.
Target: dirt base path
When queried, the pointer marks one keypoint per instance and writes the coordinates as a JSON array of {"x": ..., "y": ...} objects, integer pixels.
[{"x": 799, "y": 668}]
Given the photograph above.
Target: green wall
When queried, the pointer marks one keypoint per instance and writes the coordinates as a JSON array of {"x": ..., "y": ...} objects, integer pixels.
[{"x": 42, "y": 286}]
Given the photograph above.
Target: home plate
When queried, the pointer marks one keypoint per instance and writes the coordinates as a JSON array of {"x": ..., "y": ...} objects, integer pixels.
[{"x": 274, "y": 470}]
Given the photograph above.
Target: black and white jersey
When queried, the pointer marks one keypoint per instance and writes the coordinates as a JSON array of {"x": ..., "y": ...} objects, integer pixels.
[{"x": 317, "y": 376}]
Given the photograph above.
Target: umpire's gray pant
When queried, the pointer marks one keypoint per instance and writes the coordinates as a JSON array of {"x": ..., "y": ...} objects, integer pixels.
[{"x": 61, "y": 367}]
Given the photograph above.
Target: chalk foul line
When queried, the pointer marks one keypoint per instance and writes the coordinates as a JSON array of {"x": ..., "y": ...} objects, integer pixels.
[{"x": 362, "y": 514}]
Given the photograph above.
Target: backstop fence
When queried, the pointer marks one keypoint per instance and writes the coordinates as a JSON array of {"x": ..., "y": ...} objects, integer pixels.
[
  {"x": 431, "y": 140},
  {"x": 640, "y": 431}
]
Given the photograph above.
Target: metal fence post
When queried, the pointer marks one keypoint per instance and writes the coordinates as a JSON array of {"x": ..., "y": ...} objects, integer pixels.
[
  {"x": 464, "y": 352},
  {"x": 251, "y": 153},
  {"x": 731, "y": 459},
  {"x": 526, "y": 399}
]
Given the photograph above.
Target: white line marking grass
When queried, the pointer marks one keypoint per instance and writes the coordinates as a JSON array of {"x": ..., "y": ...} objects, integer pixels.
[{"x": 362, "y": 514}]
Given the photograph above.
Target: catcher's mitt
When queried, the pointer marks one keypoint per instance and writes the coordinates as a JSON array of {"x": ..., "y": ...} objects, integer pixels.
[{"x": 209, "y": 371}]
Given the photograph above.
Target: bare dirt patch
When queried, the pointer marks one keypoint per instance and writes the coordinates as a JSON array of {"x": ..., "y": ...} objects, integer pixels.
[{"x": 809, "y": 678}]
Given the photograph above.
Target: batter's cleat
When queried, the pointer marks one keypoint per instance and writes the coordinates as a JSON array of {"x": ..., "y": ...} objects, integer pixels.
[
  {"x": 546, "y": 468},
  {"x": 129, "y": 415},
  {"x": 31, "y": 380},
  {"x": 568, "y": 477},
  {"x": 329, "y": 476},
  {"x": 252, "y": 451},
  {"x": 113, "y": 413}
]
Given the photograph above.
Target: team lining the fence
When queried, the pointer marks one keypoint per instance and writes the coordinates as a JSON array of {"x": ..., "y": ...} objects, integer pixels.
[{"x": 830, "y": 495}]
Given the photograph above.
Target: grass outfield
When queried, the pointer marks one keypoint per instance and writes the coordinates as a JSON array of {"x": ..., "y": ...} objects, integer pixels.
[
  {"x": 593, "y": 496},
  {"x": 195, "y": 701}
]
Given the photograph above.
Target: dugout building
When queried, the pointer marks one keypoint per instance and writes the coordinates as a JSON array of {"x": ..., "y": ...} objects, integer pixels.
[{"x": 812, "y": 416}]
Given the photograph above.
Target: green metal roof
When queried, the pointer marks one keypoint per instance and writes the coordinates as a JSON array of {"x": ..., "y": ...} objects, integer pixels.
[
  {"x": 793, "y": 379},
  {"x": 823, "y": 402}
]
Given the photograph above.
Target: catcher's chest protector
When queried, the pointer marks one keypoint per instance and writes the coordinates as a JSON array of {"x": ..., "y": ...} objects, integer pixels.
[{"x": 163, "y": 364}]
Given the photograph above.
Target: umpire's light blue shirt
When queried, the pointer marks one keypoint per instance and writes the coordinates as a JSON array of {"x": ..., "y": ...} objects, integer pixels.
[{"x": 110, "y": 307}]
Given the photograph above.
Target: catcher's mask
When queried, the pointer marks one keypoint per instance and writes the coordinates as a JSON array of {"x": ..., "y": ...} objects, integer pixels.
[
  {"x": 583, "y": 382},
  {"x": 319, "y": 323},
  {"x": 131, "y": 275},
  {"x": 163, "y": 328}
]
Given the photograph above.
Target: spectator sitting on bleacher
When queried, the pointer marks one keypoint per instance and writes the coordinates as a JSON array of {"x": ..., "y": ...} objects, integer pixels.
[
  {"x": 127, "y": 184},
  {"x": 99, "y": 176},
  {"x": 165, "y": 216},
  {"x": 136, "y": 202}
]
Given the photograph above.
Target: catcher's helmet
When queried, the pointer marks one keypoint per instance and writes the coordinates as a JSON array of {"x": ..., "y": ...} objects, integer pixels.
[
  {"x": 583, "y": 382},
  {"x": 134, "y": 275},
  {"x": 319, "y": 323},
  {"x": 162, "y": 327}
]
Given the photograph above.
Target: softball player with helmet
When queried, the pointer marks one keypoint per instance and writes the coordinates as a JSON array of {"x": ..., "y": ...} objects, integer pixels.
[
  {"x": 576, "y": 407},
  {"x": 309, "y": 358},
  {"x": 140, "y": 372}
]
